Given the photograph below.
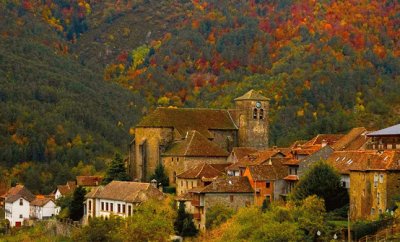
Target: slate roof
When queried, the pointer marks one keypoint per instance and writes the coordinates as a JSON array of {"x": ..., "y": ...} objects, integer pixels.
[
  {"x": 89, "y": 181},
  {"x": 17, "y": 192},
  {"x": 228, "y": 185},
  {"x": 133, "y": 192},
  {"x": 196, "y": 145},
  {"x": 199, "y": 171},
  {"x": 187, "y": 119},
  {"x": 252, "y": 95},
  {"x": 275, "y": 171},
  {"x": 353, "y": 140},
  {"x": 40, "y": 201},
  {"x": 345, "y": 161},
  {"x": 392, "y": 130}
]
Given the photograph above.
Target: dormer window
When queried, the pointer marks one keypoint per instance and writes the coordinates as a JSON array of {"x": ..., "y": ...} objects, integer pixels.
[
  {"x": 255, "y": 113},
  {"x": 261, "y": 113}
]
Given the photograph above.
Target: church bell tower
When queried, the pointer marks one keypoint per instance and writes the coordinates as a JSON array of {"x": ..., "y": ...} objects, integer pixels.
[{"x": 252, "y": 119}]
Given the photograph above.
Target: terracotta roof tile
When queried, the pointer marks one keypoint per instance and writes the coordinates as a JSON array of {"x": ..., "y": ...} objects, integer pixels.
[
  {"x": 229, "y": 185},
  {"x": 241, "y": 152},
  {"x": 257, "y": 158},
  {"x": 187, "y": 119},
  {"x": 353, "y": 140},
  {"x": 126, "y": 191},
  {"x": 291, "y": 178},
  {"x": 67, "y": 188},
  {"x": 195, "y": 144},
  {"x": 252, "y": 95},
  {"x": 19, "y": 191},
  {"x": 274, "y": 171},
  {"x": 321, "y": 138},
  {"x": 41, "y": 201},
  {"x": 89, "y": 181},
  {"x": 199, "y": 171},
  {"x": 345, "y": 161}
]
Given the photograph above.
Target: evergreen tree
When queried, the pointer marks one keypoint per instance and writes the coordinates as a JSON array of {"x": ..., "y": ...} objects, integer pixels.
[
  {"x": 160, "y": 175},
  {"x": 76, "y": 205},
  {"x": 183, "y": 224},
  {"x": 117, "y": 170},
  {"x": 322, "y": 180}
]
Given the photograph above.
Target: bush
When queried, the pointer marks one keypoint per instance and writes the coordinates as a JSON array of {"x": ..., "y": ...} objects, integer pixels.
[{"x": 217, "y": 215}]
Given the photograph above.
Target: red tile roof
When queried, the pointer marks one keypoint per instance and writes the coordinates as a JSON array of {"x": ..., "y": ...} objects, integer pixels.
[
  {"x": 17, "y": 192},
  {"x": 257, "y": 158},
  {"x": 41, "y": 201},
  {"x": 197, "y": 145},
  {"x": 89, "y": 181},
  {"x": 199, "y": 171},
  {"x": 67, "y": 188},
  {"x": 226, "y": 185},
  {"x": 274, "y": 171},
  {"x": 241, "y": 152},
  {"x": 187, "y": 119},
  {"x": 291, "y": 178},
  {"x": 345, "y": 161},
  {"x": 353, "y": 140}
]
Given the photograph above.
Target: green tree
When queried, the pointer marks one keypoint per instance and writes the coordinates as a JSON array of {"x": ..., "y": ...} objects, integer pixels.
[
  {"x": 183, "y": 224},
  {"x": 99, "y": 230},
  {"x": 217, "y": 215},
  {"x": 76, "y": 205},
  {"x": 116, "y": 170},
  {"x": 322, "y": 180},
  {"x": 160, "y": 175},
  {"x": 265, "y": 205}
]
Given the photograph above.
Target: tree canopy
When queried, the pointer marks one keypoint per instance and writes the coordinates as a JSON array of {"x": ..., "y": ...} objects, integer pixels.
[{"x": 116, "y": 170}]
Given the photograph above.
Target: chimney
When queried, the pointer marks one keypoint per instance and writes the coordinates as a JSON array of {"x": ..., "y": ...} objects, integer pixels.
[
  {"x": 270, "y": 162},
  {"x": 324, "y": 143},
  {"x": 154, "y": 183}
]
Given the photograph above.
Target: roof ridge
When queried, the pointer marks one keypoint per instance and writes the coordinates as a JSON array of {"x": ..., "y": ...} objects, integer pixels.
[{"x": 201, "y": 169}]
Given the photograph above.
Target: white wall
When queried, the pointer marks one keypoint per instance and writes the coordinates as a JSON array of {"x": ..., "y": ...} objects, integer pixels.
[
  {"x": 96, "y": 211},
  {"x": 47, "y": 211},
  {"x": 16, "y": 212},
  {"x": 346, "y": 179}
]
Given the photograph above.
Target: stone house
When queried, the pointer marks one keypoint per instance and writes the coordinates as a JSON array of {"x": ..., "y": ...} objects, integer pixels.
[
  {"x": 375, "y": 184},
  {"x": 267, "y": 180},
  {"x": 168, "y": 128},
  {"x": 233, "y": 192},
  {"x": 118, "y": 198},
  {"x": 17, "y": 205}
]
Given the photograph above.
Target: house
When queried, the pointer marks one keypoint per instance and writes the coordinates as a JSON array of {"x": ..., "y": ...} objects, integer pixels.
[
  {"x": 17, "y": 205},
  {"x": 197, "y": 176},
  {"x": 162, "y": 135},
  {"x": 257, "y": 158},
  {"x": 267, "y": 180},
  {"x": 118, "y": 198},
  {"x": 306, "y": 163},
  {"x": 64, "y": 190},
  {"x": 233, "y": 192},
  {"x": 375, "y": 183},
  {"x": 88, "y": 182},
  {"x": 302, "y": 150},
  {"x": 355, "y": 139},
  {"x": 385, "y": 139},
  {"x": 42, "y": 208},
  {"x": 238, "y": 153}
]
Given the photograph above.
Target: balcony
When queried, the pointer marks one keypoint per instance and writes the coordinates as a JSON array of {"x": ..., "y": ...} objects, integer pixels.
[{"x": 197, "y": 216}]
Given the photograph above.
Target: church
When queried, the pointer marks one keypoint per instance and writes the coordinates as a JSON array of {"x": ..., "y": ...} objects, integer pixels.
[{"x": 181, "y": 138}]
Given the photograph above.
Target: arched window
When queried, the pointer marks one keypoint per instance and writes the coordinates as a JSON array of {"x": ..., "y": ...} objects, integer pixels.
[
  {"x": 255, "y": 113},
  {"x": 261, "y": 113}
]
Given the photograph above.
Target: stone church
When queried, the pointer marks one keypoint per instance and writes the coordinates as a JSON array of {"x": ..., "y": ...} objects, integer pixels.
[{"x": 183, "y": 137}]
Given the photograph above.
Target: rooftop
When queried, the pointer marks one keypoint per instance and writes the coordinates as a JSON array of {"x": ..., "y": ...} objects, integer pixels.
[
  {"x": 17, "y": 192},
  {"x": 392, "y": 130},
  {"x": 195, "y": 144},
  {"x": 257, "y": 158},
  {"x": 353, "y": 140},
  {"x": 88, "y": 181},
  {"x": 229, "y": 185},
  {"x": 274, "y": 171},
  {"x": 40, "y": 201},
  {"x": 252, "y": 95},
  {"x": 202, "y": 170}
]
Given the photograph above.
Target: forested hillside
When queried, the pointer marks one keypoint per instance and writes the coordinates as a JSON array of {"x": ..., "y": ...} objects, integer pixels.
[{"x": 77, "y": 74}]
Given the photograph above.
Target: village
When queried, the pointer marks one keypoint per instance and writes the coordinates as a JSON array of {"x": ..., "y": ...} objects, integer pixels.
[{"x": 222, "y": 156}]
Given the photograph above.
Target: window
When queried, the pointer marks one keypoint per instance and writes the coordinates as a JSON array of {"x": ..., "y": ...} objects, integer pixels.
[
  {"x": 102, "y": 206},
  {"x": 20, "y": 216},
  {"x": 343, "y": 184},
  {"x": 187, "y": 184},
  {"x": 181, "y": 183},
  {"x": 111, "y": 207},
  {"x": 90, "y": 205},
  {"x": 21, "y": 202},
  {"x": 129, "y": 210},
  {"x": 255, "y": 113},
  {"x": 261, "y": 113},
  {"x": 106, "y": 206},
  {"x": 267, "y": 184},
  {"x": 381, "y": 178},
  {"x": 123, "y": 208},
  {"x": 378, "y": 198},
  {"x": 231, "y": 198},
  {"x": 119, "y": 208}
]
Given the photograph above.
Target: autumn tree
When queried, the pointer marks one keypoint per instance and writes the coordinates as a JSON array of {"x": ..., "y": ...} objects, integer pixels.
[{"x": 217, "y": 215}]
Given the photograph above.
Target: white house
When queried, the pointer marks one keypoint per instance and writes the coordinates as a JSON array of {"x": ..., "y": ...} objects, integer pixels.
[
  {"x": 17, "y": 205},
  {"x": 42, "y": 208},
  {"x": 118, "y": 198}
]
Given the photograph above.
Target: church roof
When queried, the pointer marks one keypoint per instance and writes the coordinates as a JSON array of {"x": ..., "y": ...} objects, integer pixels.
[
  {"x": 252, "y": 95},
  {"x": 392, "y": 130},
  {"x": 195, "y": 144},
  {"x": 187, "y": 119}
]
